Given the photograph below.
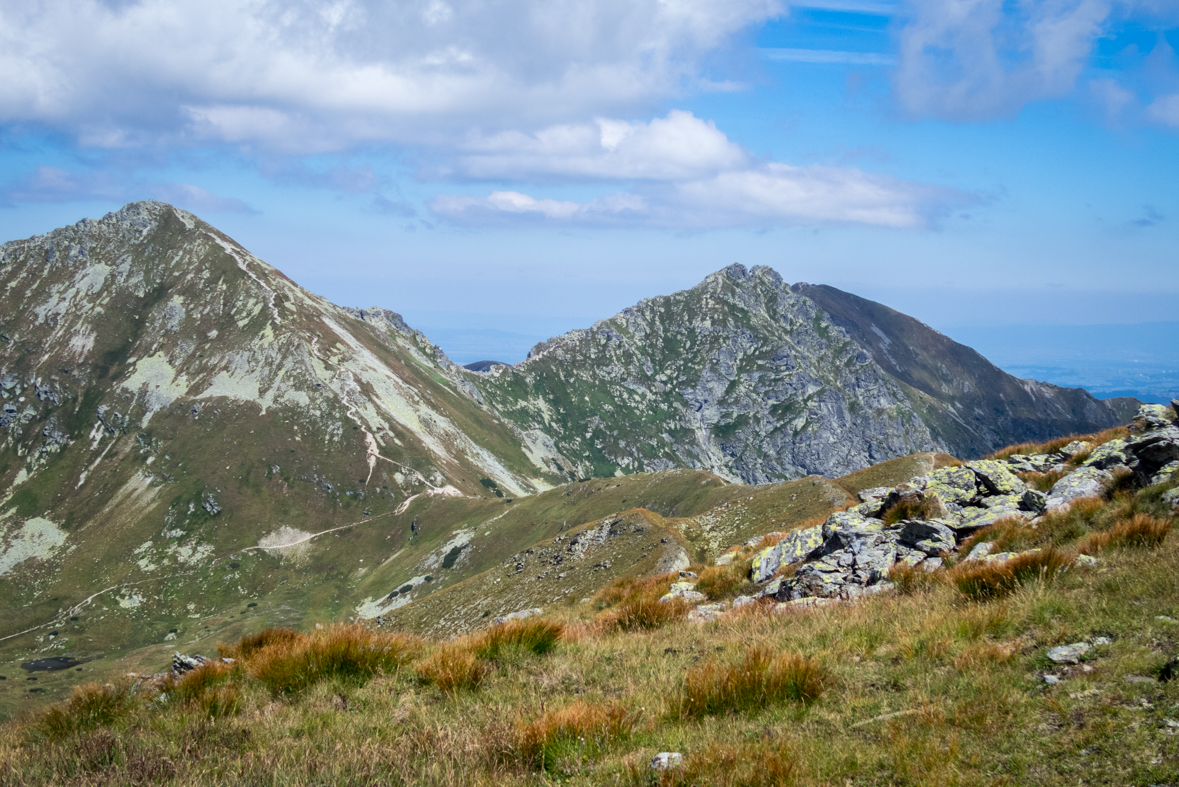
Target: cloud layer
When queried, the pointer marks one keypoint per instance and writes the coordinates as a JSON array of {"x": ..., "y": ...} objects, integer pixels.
[
  {"x": 687, "y": 173},
  {"x": 308, "y": 76}
]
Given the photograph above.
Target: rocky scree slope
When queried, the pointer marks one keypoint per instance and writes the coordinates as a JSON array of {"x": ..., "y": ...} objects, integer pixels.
[{"x": 757, "y": 381}]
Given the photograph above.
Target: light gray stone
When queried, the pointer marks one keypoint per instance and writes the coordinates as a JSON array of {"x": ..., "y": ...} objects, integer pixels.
[
  {"x": 996, "y": 477},
  {"x": 980, "y": 551},
  {"x": 1083, "y": 482},
  {"x": 666, "y": 760},
  {"x": 1069, "y": 654}
]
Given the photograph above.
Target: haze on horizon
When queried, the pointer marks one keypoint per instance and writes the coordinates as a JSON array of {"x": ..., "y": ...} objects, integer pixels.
[{"x": 500, "y": 172}]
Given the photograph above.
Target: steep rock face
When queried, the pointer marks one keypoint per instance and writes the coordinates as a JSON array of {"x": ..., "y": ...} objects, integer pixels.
[
  {"x": 738, "y": 375},
  {"x": 970, "y": 405}
]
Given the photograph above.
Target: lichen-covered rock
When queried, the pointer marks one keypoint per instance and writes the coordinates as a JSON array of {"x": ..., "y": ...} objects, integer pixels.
[
  {"x": 1034, "y": 463},
  {"x": 1152, "y": 416},
  {"x": 1108, "y": 455},
  {"x": 1165, "y": 473},
  {"x": 684, "y": 591},
  {"x": 974, "y": 519},
  {"x": 929, "y": 537},
  {"x": 980, "y": 551},
  {"x": 952, "y": 485},
  {"x": 1082, "y": 482},
  {"x": 706, "y": 612},
  {"x": 1074, "y": 448},
  {"x": 794, "y": 548},
  {"x": 996, "y": 477}
]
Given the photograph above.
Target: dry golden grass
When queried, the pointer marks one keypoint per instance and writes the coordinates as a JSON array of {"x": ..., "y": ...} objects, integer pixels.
[
  {"x": 721, "y": 582},
  {"x": 1140, "y": 530},
  {"x": 578, "y": 730},
  {"x": 1041, "y": 482},
  {"x": 352, "y": 654},
  {"x": 981, "y": 580},
  {"x": 536, "y": 636},
  {"x": 761, "y": 678},
  {"x": 252, "y": 643},
  {"x": 90, "y": 705},
  {"x": 634, "y": 604},
  {"x": 910, "y": 509},
  {"x": 453, "y": 668}
]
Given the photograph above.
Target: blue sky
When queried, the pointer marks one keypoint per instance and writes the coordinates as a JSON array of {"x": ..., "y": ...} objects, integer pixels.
[{"x": 501, "y": 171}]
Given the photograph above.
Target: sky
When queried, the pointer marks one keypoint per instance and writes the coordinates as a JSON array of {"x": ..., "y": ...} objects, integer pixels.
[{"x": 501, "y": 171}]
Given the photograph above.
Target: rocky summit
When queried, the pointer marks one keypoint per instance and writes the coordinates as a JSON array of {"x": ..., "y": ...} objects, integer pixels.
[
  {"x": 192, "y": 445},
  {"x": 756, "y": 381}
]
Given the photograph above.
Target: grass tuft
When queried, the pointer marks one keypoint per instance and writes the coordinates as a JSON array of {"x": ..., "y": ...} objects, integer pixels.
[
  {"x": 530, "y": 636},
  {"x": 252, "y": 643},
  {"x": 760, "y": 679},
  {"x": 636, "y": 604},
  {"x": 91, "y": 705},
  {"x": 453, "y": 668},
  {"x": 766, "y": 764},
  {"x": 911, "y": 509},
  {"x": 722, "y": 582},
  {"x": 1140, "y": 530},
  {"x": 981, "y": 580},
  {"x": 351, "y": 654},
  {"x": 577, "y": 731}
]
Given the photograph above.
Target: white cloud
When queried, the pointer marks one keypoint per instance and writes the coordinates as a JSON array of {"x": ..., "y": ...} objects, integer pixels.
[
  {"x": 677, "y": 147},
  {"x": 978, "y": 59},
  {"x": 1165, "y": 110},
  {"x": 762, "y": 196},
  {"x": 309, "y": 75}
]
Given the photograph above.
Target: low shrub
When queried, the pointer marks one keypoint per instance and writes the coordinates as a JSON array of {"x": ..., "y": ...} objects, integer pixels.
[
  {"x": 582, "y": 729},
  {"x": 352, "y": 654},
  {"x": 90, "y": 705},
  {"x": 982, "y": 580},
  {"x": 453, "y": 668},
  {"x": 1140, "y": 530},
  {"x": 760, "y": 679},
  {"x": 767, "y": 764},
  {"x": 529, "y": 636}
]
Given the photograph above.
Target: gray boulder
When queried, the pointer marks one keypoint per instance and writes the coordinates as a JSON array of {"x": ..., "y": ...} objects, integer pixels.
[
  {"x": 1082, "y": 482},
  {"x": 1171, "y": 498},
  {"x": 1153, "y": 451},
  {"x": 932, "y": 538},
  {"x": 1108, "y": 455},
  {"x": 996, "y": 477},
  {"x": 1069, "y": 654}
]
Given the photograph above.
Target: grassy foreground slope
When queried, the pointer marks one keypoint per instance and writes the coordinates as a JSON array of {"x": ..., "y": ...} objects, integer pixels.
[{"x": 935, "y": 683}]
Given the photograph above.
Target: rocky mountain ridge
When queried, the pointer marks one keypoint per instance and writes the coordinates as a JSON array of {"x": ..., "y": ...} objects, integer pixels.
[{"x": 756, "y": 381}]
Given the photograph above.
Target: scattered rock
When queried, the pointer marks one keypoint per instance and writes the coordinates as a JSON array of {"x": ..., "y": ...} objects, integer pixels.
[
  {"x": 666, "y": 760},
  {"x": 726, "y": 558},
  {"x": 1069, "y": 654},
  {"x": 1171, "y": 498},
  {"x": 685, "y": 591},
  {"x": 1074, "y": 448},
  {"x": 519, "y": 615},
  {"x": 1052, "y": 680},
  {"x": 1137, "y": 679},
  {"x": 980, "y": 551},
  {"x": 706, "y": 612},
  {"x": 182, "y": 664}
]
